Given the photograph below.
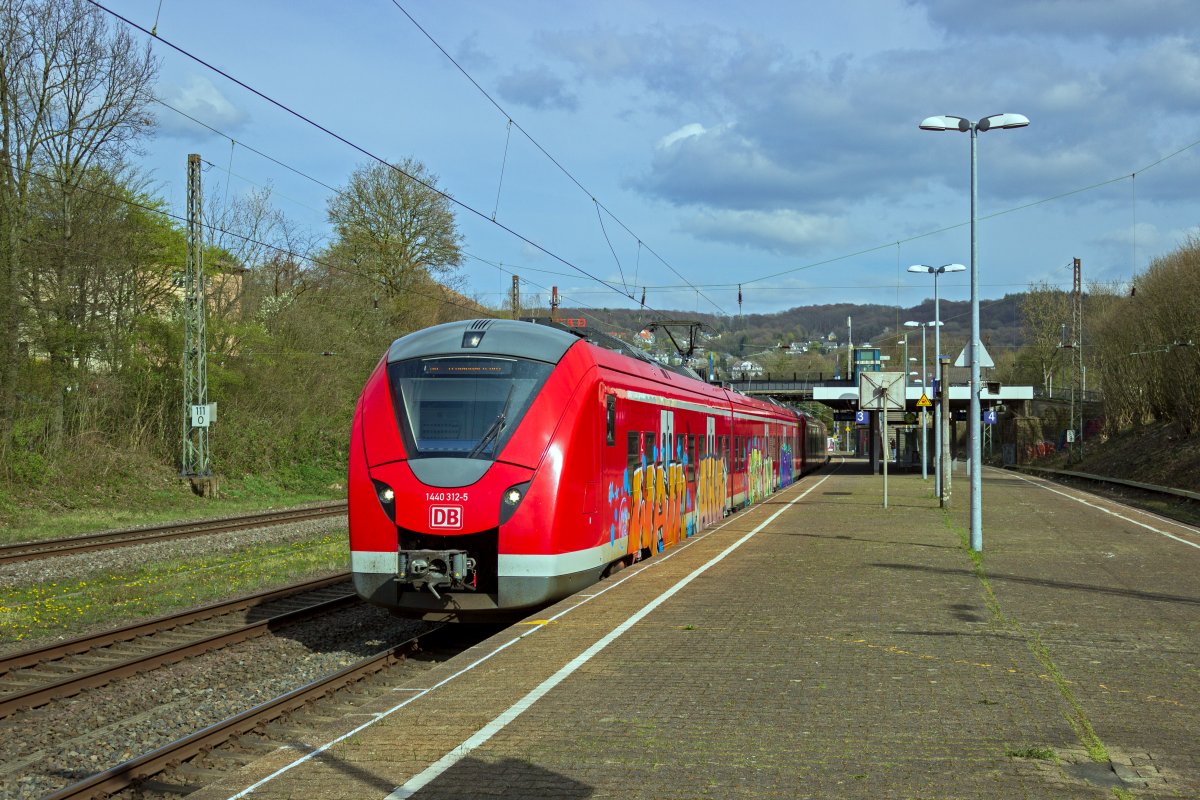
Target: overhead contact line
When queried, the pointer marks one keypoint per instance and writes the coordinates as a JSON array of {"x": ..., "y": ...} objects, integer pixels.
[
  {"x": 356, "y": 147},
  {"x": 555, "y": 162}
]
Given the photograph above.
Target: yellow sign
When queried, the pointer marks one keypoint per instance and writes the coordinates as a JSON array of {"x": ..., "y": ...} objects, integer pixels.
[{"x": 924, "y": 401}]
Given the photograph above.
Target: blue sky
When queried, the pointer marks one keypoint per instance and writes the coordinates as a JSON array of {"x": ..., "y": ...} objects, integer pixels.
[{"x": 772, "y": 145}]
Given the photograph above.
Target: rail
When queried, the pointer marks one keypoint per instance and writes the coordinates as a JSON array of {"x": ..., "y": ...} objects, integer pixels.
[
  {"x": 103, "y": 540},
  {"x": 124, "y": 775},
  {"x": 1149, "y": 487},
  {"x": 72, "y": 684}
]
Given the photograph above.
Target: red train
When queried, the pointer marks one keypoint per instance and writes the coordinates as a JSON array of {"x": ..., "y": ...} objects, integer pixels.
[{"x": 498, "y": 465}]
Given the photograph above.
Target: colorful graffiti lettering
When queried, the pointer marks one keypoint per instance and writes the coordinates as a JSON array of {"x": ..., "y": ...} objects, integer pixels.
[
  {"x": 786, "y": 466},
  {"x": 760, "y": 476},
  {"x": 656, "y": 508},
  {"x": 711, "y": 480}
]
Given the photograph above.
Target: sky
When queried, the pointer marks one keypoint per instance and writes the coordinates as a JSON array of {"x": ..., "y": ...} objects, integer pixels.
[{"x": 687, "y": 148}]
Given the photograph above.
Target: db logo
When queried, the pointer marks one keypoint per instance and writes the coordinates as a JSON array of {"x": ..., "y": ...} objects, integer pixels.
[{"x": 445, "y": 517}]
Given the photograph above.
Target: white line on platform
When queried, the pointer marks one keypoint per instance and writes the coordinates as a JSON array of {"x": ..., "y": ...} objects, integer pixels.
[
  {"x": 632, "y": 573},
  {"x": 516, "y": 709},
  {"x": 1049, "y": 488}
]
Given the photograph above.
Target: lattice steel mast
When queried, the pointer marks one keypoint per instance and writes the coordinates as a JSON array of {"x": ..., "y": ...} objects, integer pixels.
[{"x": 195, "y": 371}]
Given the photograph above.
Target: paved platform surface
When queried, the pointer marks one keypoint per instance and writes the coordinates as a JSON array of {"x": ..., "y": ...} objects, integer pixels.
[{"x": 835, "y": 649}]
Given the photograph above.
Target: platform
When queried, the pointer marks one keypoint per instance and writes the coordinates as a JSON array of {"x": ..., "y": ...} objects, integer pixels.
[{"x": 821, "y": 646}]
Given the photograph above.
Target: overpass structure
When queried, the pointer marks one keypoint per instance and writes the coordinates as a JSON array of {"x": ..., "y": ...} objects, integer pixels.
[{"x": 842, "y": 395}]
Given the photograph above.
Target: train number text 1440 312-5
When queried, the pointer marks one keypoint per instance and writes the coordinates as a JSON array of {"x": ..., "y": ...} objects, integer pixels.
[{"x": 446, "y": 497}]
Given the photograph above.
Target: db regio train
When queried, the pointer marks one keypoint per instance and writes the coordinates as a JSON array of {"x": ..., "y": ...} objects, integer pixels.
[{"x": 499, "y": 465}]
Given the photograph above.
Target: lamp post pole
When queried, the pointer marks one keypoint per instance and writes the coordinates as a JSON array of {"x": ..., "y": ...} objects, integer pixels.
[
  {"x": 924, "y": 393},
  {"x": 924, "y": 423},
  {"x": 938, "y": 417},
  {"x": 976, "y": 444},
  {"x": 937, "y": 409},
  {"x": 924, "y": 411},
  {"x": 946, "y": 123}
]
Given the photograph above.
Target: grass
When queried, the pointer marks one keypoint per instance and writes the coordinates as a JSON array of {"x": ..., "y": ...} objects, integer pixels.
[
  {"x": 1039, "y": 753},
  {"x": 27, "y": 516},
  {"x": 108, "y": 599},
  {"x": 1078, "y": 718}
]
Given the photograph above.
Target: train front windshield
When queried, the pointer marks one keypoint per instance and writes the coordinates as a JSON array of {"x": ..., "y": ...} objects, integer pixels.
[{"x": 463, "y": 406}]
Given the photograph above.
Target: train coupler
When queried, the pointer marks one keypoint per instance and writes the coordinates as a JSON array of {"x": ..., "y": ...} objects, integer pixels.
[{"x": 434, "y": 569}]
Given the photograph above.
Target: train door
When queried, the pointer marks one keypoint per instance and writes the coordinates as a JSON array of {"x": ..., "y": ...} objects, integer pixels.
[{"x": 662, "y": 497}]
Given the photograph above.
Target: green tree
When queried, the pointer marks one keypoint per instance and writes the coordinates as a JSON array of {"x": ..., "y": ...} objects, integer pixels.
[{"x": 397, "y": 231}]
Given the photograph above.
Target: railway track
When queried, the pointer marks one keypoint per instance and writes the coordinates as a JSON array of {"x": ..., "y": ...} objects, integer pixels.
[
  {"x": 36, "y": 677},
  {"x": 150, "y": 765},
  {"x": 1178, "y": 504},
  {"x": 49, "y": 548},
  {"x": 223, "y": 747}
]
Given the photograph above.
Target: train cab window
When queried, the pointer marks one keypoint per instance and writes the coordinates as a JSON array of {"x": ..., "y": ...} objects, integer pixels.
[
  {"x": 462, "y": 406},
  {"x": 634, "y": 450},
  {"x": 610, "y": 419}
]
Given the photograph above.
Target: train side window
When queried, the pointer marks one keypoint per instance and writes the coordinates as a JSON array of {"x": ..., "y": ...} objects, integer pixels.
[
  {"x": 610, "y": 419},
  {"x": 691, "y": 458},
  {"x": 648, "y": 441},
  {"x": 679, "y": 442},
  {"x": 634, "y": 451}
]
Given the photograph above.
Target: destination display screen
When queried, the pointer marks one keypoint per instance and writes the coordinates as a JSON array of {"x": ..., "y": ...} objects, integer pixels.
[{"x": 460, "y": 367}]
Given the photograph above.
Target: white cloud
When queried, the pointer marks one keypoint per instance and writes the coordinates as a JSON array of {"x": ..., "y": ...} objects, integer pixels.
[
  {"x": 686, "y": 132},
  {"x": 203, "y": 101},
  {"x": 782, "y": 231}
]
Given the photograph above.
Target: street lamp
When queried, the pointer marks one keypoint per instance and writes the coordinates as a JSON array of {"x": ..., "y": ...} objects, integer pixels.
[
  {"x": 949, "y": 122},
  {"x": 924, "y": 423},
  {"x": 937, "y": 356}
]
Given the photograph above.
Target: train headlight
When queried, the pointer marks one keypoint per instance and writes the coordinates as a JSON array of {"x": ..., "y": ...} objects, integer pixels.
[
  {"x": 387, "y": 498},
  {"x": 510, "y": 499}
]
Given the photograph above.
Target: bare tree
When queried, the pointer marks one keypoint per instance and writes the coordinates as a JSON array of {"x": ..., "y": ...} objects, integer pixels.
[
  {"x": 1044, "y": 310},
  {"x": 73, "y": 99},
  {"x": 1148, "y": 345}
]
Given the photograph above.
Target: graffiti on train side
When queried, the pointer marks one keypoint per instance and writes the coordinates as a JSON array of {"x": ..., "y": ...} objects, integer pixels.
[{"x": 656, "y": 507}]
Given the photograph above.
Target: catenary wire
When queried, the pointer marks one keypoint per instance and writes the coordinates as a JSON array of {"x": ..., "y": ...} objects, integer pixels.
[
  {"x": 358, "y": 148},
  {"x": 547, "y": 154}
]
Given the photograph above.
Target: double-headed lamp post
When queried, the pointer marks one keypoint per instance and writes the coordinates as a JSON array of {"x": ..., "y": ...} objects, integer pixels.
[
  {"x": 937, "y": 351},
  {"x": 949, "y": 122}
]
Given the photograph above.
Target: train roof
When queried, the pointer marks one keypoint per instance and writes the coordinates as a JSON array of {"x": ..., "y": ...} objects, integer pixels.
[
  {"x": 538, "y": 338},
  {"x": 485, "y": 336}
]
